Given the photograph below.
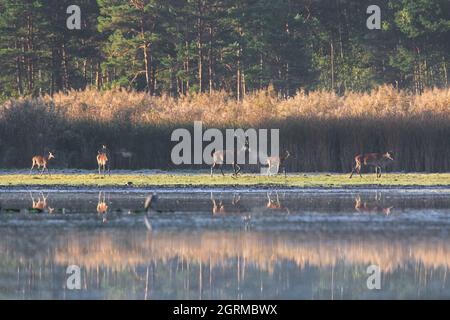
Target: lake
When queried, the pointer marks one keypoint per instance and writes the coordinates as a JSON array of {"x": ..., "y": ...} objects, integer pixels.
[{"x": 222, "y": 244}]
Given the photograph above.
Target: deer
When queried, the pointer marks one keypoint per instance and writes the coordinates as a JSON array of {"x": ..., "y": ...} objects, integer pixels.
[
  {"x": 102, "y": 159},
  {"x": 377, "y": 160},
  {"x": 41, "y": 161},
  {"x": 41, "y": 203},
  {"x": 277, "y": 161},
  {"x": 220, "y": 156}
]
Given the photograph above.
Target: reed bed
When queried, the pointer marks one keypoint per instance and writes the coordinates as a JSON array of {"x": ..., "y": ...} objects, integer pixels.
[{"x": 323, "y": 130}]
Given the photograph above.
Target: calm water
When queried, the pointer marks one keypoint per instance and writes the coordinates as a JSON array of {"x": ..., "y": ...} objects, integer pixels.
[{"x": 224, "y": 245}]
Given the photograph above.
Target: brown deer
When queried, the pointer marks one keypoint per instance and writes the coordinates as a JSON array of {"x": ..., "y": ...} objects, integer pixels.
[
  {"x": 221, "y": 156},
  {"x": 41, "y": 161},
  {"x": 102, "y": 159},
  {"x": 277, "y": 162},
  {"x": 377, "y": 160}
]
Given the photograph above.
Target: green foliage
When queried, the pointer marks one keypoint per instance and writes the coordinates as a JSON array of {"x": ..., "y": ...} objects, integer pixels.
[{"x": 177, "y": 47}]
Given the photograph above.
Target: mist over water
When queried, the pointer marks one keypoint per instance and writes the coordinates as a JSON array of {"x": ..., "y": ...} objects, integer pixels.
[{"x": 225, "y": 245}]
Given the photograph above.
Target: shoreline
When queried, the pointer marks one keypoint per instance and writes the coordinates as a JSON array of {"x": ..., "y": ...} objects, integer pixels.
[{"x": 199, "y": 181}]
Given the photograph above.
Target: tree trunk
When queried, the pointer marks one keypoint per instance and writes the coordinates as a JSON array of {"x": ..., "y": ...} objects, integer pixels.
[
  {"x": 238, "y": 76},
  {"x": 65, "y": 68},
  {"x": 332, "y": 63},
  {"x": 445, "y": 73},
  {"x": 200, "y": 53},
  {"x": 30, "y": 50},
  {"x": 98, "y": 76},
  {"x": 210, "y": 62},
  {"x": 187, "y": 68},
  {"x": 18, "y": 73},
  {"x": 85, "y": 72},
  {"x": 147, "y": 68}
]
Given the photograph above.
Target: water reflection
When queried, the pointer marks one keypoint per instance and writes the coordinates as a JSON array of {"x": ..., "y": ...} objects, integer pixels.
[
  {"x": 221, "y": 207},
  {"x": 40, "y": 203},
  {"x": 123, "y": 264},
  {"x": 102, "y": 206},
  {"x": 375, "y": 205},
  {"x": 225, "y": 245},
  {"x": 274, "y": 203}
]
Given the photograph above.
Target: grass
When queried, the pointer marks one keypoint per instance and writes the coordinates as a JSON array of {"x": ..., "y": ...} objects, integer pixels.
[{"x": 199, "y": 180}]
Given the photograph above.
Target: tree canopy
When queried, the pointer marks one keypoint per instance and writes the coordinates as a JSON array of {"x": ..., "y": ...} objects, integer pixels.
[{"x": 177, "y": 47}]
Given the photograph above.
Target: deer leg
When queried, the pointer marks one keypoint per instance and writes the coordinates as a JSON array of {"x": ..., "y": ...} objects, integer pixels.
[
  {"x": 278, "y": 168},
  {"x": 236, "y": 172},
  {"x": 358, "y": 170},
  {"x": 212, "y": 167},
  {"x": 234, "y": 175},
  {"x": 221, "y": 169},
  {"x": 32, "y": 167},
  {"x": 284, "y": 170},
  {"x": 353, "y": 170},
  {"x": 379, "y": 169}
]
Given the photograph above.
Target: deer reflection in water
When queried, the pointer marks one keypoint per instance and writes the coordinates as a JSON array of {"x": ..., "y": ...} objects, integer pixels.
[
  {"x": 219, "y": 207},
  {"x": 102, "y": 206},
  {"x": 40, "y": 204},
  {"x": 373, "y": 206},
  {"x": 149, "y": 206},
  {"x": 275, "y": 204}
]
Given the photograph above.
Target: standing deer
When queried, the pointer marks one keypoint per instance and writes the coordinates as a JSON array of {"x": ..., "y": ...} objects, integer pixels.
[
  {"x": 41, "y": 161},
  {"x": 377, "y": 160},
  {"x": 220, "y": 156},
  {"x": 277, "y": 161},
  {"x": 102, "y": 159}
]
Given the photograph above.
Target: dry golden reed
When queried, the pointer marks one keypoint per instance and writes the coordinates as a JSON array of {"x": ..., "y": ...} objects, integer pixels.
[
  {"x": 258, "y": 107},
  {"x": 324, "y": 130}
]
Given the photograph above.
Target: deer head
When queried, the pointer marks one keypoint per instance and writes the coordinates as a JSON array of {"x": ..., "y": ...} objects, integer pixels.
[
  {"x": 388, "y": 156},
  {"x": 50, "y": 156}
]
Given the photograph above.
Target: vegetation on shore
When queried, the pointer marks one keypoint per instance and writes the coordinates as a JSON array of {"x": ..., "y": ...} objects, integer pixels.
[
  {"x": 201, "y": 180},
  {"x": 322, "y": 129}
]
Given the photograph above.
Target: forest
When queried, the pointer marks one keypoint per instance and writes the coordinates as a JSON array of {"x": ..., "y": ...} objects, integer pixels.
[
  {"x": 137, "y": 69},
  {"x": 177, "y": 47}
]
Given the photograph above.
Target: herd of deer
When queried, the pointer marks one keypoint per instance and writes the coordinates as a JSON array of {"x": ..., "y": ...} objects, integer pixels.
[{"x": 376, "y": 160}]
